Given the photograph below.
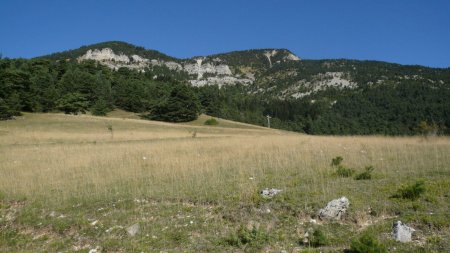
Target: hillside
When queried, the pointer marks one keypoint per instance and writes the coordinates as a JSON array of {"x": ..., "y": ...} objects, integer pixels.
[
  {"x": 78, "y": 183},
  {"x": 119, "y": 47},
  {"x": 311, "y": 96}
]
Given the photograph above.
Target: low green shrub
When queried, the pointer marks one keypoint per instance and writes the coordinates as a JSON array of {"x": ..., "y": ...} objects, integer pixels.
[
  {"x": 366, "y": 244},
  {"x": 366, "y": 175},
  {"x": 211, "y": 122},
  {"x": 317, "y": 238},
  {"x": 336, "y": 161},
  {"x": 345, "y": 172},
  {"x": 411, "y": 192},
  {"x": 254, "y": 237}
]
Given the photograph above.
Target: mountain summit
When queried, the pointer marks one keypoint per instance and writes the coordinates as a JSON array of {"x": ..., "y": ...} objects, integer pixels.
[{"x": 239, "y": 67}]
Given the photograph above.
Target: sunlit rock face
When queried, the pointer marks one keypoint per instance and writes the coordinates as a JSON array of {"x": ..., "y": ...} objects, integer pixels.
[
  {"x": 201, "y": 70},
  {"x": 105, "y": 54}
]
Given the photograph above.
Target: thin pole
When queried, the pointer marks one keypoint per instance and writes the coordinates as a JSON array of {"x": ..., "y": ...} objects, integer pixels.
[{"x": 268, "y": 120}]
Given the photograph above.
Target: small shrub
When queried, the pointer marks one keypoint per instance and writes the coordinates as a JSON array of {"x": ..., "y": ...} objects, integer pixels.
[
  {"x": 366, "y": 175},
  {"x": 411, "y": 192},
  {"x": 336, "y": 161},
  {"x": 211, "y": 122},
  {"x": 345, "y": 172},
  {"x": 318, "y": 238},
  {"x": 366, "y": 244},
  {"x": 100, "y": 108},
  {"x": 255, "y": 238}
]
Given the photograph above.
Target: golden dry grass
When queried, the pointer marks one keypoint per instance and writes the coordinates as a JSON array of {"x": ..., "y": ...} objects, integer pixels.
[
  {"x": 72, "y": 171},
  {"x": 59, "y": 157}
]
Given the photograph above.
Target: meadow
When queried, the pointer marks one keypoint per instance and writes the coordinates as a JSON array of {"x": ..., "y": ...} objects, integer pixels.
[{"x": 76, "y": 183}]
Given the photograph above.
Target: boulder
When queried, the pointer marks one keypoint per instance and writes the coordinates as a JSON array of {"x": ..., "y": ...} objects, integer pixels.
[
  {"x": 334, "y": 209},
  {"x": 133, "y": 230},
  {"x": 401, "y": 232},
  {"x": 269, "y": 193}
]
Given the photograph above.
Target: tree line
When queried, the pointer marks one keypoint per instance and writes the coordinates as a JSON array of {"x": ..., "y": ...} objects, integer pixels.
[{"x": 389, "y": 108}]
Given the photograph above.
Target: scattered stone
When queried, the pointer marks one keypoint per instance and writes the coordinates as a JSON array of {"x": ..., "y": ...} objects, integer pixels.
[
  {"x": 93, "y": 251},
  {"x": 109, "y": 230},
  {"x": 253, "y": 225},
  {"x": 313, "y": 221},
  {"x": 133, "y": 230},
  {"x": 94, "y": 223},
  {"x": 269, "y": 193},
  {"x": 334, "y": 209},
  {"x": 402, "y": 233}
]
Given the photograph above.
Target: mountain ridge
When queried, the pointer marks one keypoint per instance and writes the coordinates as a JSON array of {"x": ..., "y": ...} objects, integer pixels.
[
  {"x": 331, "y": 96},
  {"x": 61, "y": 55}
]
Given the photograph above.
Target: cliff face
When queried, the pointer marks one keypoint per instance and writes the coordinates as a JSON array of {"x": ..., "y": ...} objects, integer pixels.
[
  {"x": 201, "y": 70},
  {"x": 270, "y": 72}
]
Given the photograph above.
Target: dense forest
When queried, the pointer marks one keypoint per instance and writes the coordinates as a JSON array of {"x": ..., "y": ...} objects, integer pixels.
[{"x": 394, "y": 106}]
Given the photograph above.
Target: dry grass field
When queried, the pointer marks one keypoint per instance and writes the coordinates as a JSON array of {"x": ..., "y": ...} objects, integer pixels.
[{"x": 76, "y": 183}]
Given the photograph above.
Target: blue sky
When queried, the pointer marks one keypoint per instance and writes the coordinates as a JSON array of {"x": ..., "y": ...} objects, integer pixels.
[{"x": 401, "y": 31}]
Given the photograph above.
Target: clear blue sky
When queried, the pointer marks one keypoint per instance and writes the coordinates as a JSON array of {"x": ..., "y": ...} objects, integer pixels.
[{"x": 401, "y": 31}]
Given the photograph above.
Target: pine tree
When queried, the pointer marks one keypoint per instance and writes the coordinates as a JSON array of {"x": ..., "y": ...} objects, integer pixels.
[{"x": 181, "y": 106}]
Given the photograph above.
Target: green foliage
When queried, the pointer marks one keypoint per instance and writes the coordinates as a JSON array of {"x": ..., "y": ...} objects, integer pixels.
[
  {"x": 345, "y": 172},
  {"x": 180, "y": 106},
  {"x": 211, "y": 122},
  {"x": 254, "y": 237},
  {"x": 366, "y": 175},
  {"x": 427, "y": 129},
  {"x": 117, "y": 46},
  {"x": 6, "y": 111},
  {"x": 366, "y": 244},
  {"x": 411, "y": 192},
  {"x": 73, "y": 103},
  {"x": 317, "y": 238},
  {"x": 417, "y": 105},
  {"x": 100, "y": 108},
  {"x": 336, "y": 161}
]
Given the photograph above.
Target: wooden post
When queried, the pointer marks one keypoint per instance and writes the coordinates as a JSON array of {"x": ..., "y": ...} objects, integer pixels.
[{"x": 268, "y": 120}]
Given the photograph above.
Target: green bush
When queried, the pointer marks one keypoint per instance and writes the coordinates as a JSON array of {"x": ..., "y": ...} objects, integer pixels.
[
  {"x": 255, "y": 238},
  {"x": 366, "y": 244},
  {"x": 73, "y": 103},
  {"x": 100, "y": 108},
  {"x": 317, "y": 238},
  {"x": 211, "y": 122},
  {"x": 336, "y": 161},
  {"x": 411, "y": 192},
  {"x": 366, "y": 175},
  {"x": 345, "y": 172}
]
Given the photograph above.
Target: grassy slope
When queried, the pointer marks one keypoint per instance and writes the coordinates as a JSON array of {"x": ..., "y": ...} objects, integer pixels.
[{"x": 69, "y": 184}]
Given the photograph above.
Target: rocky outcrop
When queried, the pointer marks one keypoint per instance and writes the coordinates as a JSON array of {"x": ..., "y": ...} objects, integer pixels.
[
  {"x": 200, "y": 69},
  {"x": 335, "y": 209},
  {"x": 269, "y": 193},
  {"x": 401, "y": 232},
  {"x": 203, "y": 70},
  {"x": 133, "y": 230},
  {"x": 106, "y": 54},
  {"x": 320, "y": 82}
]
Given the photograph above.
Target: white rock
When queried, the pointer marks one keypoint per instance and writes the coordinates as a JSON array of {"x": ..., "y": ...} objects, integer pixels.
[
  {"x": 269, "y": 193},
  {"x": 133, "y": 230},
  {"x": 334, "y": 209},
  {"x": 401, "y": 232},
  {"x": 106, "y": 54}
]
